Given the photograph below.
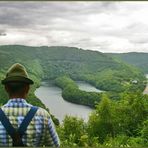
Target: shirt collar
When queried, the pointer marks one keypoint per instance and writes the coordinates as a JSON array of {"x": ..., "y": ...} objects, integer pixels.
[{"x": 17, "y": 100}]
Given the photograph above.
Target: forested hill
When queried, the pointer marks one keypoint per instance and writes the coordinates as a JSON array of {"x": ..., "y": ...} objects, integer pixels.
[
  {"x": 94, "y": 67},
  {"x": 120, "y": 123},
  {"x": 137, "y": 59}
]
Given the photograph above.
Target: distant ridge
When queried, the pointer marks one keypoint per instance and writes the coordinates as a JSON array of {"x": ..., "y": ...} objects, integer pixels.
[{"x": 138, "y": 59}]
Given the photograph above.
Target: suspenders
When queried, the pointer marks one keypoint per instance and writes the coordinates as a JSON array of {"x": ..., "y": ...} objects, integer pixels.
[{"x": 16, "y": 134}]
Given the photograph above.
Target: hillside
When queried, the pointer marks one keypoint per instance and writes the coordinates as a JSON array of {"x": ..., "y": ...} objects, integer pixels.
[
  {"x": 51, "y": 62},
  {"x": 121, "y": 123},
  {"x": 96, "y": 68},
  {"x": 139, "y": 60}
]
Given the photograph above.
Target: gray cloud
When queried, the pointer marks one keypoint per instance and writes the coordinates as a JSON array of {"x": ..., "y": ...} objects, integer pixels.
[
  {"x": 3, "y": 34},
  {"x": 29, "y": 13},
  {"x": 104, "y": 26}
]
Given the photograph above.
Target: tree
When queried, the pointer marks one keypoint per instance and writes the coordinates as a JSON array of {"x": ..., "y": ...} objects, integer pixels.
[
  {"x": 101, "y": 120},
  {"x": 73, "y": 131}
]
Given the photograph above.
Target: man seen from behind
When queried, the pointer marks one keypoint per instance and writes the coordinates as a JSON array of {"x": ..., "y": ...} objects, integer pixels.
[{"x": 22, "y": 124}]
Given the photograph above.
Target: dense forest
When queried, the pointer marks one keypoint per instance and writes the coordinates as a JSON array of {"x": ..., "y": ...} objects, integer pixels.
[
  {"x": 120, "y": 116},
  {"x": 121, "y": 123},
  {"x": 137, "y": 59}
]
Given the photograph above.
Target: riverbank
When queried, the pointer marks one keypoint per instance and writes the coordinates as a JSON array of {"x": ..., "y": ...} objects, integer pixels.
[{"x": 51, "y": 96}]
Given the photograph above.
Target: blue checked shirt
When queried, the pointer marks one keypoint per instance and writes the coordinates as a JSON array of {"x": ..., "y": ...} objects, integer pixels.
[{"x": 40, "y": 132}]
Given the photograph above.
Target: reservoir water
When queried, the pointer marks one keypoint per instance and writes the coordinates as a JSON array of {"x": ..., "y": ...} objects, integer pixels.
[
  {"x": 87, "y": 87},
  {"x": 51, "y": 96}
]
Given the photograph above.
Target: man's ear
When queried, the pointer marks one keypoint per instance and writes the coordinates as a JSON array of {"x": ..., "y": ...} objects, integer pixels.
[
  {"x": 27, "y": 87},
  {"x": 6, "y": 88}
]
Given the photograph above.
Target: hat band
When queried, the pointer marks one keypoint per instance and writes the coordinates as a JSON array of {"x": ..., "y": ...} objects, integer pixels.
[{"x": 17, "y": 79}]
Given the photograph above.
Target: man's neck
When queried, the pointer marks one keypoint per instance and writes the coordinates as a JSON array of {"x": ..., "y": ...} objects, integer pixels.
[{"x": 17, "y": 96}]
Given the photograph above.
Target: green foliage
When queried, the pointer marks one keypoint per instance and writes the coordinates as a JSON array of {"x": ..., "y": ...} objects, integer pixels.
[
  {"x": 120, "y": 123},
  {"x": 65, "y": 81},
  {"x": 132, "y": 110},
  {"x": 124, "y": 141},
  {"x": 119, "y": 120},
  {"x": 72, "y": 93},
  {"x": 101, "y": 122},
  {"x": 72, "y": 132},
  {"x": 139, "y": 60},
  {"x": 144, "y": 132}
]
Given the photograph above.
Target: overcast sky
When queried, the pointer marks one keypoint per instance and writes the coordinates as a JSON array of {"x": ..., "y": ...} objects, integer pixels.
[{"x": 102, "y": 26}]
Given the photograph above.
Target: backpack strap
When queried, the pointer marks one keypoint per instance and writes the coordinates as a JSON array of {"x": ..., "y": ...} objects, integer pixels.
[
  {"x": 6, "y": 123},
  {"x": 16, "y": 135},
  {"x": 27, "y": 120}
]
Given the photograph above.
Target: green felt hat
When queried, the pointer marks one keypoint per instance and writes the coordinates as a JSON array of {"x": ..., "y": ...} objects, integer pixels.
[{"x": 17, "y": 73}]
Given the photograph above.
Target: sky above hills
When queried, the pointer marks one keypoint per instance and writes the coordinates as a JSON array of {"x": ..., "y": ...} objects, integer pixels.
[{"x": 102, "y": 26}]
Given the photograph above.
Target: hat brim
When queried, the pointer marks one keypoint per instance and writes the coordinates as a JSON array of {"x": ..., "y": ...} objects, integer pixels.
[{"x": 17, "y": 79}]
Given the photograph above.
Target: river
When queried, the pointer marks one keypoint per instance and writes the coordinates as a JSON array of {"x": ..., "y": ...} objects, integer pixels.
[
  {"x": 51, "y": 96},
  {"x": 87, "y": 87}
]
